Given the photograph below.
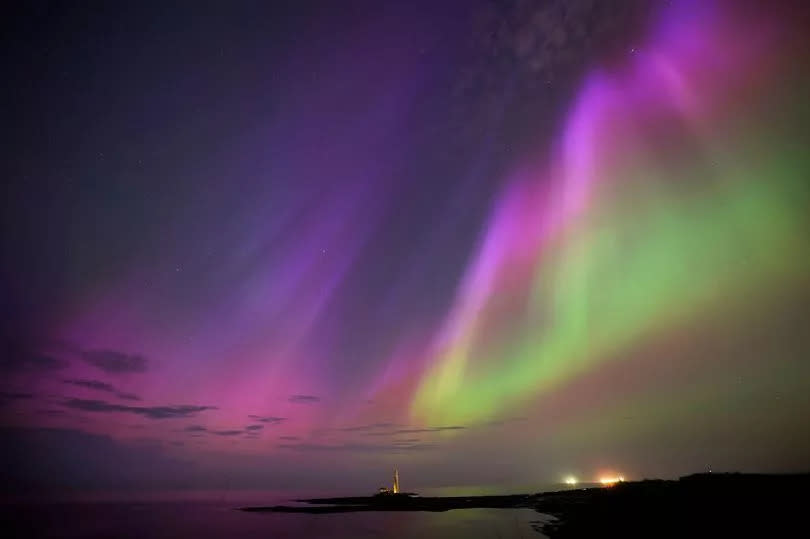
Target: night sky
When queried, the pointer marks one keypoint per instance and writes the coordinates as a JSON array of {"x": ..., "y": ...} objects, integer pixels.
[{"x": 292, "y": 245}]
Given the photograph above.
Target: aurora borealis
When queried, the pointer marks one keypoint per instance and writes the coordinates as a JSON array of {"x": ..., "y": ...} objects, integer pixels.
[
  {"x": 299, "y": 249},
  {"x": 655, "y": 215}
]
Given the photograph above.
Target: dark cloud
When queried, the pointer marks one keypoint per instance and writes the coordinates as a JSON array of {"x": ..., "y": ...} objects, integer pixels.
[
  {"x": 268, "y": 419},
  {"x": 151, "y": 412},
  {"x": 232, "y": 432},
  {"x": 391, "y": 429},
  {"x": 115, "y": 362},
  {"x": 304, "y": 399},
  {"x": 195, "y": 428},
  {"x": 98, "y": 385},
  {"x": 178, "y": 443},
  {"x": 370, "y": 427},
  {"x": 414, "y": 431},
  {"x": 92, "y": 384},
  {"x": 408, "y": 441},
  {"x": 501, "y": 422},
  {"x": 254, "y": 427}
]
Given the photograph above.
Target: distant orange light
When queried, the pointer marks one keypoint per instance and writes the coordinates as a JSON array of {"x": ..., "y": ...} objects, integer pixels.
[{"x": 609, "y": 481}]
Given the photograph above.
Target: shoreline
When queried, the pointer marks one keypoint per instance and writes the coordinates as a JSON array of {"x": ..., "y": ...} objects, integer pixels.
[
  {"x": 722, "y": 504},
  {"x": 401, "y": 503}
]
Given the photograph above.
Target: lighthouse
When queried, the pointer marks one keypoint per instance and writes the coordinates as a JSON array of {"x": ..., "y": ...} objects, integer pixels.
[{"x": 394, "y": 489}]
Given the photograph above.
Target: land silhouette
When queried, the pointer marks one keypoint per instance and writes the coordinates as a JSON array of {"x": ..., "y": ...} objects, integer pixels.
[{"x": 709, "y": 504}]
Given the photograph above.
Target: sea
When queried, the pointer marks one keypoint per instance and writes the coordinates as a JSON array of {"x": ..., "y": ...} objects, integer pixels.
[{"x": 208, "y": 515}]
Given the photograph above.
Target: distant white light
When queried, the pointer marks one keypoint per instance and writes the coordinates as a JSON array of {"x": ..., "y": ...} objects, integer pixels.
[{"x": 571, "y": 480}]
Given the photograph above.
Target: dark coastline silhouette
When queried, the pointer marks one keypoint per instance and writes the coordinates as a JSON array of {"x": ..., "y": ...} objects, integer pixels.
[{"x": 694, "y": 505}]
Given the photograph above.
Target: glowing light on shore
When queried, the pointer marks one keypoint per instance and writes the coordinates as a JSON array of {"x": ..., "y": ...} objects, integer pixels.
[
  {"x": 571, "y": 480},
  {"x": 610, "y": 481}
]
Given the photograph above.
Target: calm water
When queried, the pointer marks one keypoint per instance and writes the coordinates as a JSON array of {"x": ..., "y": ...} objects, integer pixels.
[{"x": 203, "y": 519}]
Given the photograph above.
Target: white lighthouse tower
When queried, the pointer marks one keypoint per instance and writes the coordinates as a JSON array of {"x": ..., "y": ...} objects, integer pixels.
[{"x": 396, "y": 481}]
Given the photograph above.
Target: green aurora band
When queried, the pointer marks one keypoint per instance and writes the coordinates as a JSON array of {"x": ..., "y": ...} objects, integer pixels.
[{"x": 685, "y": 223}]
